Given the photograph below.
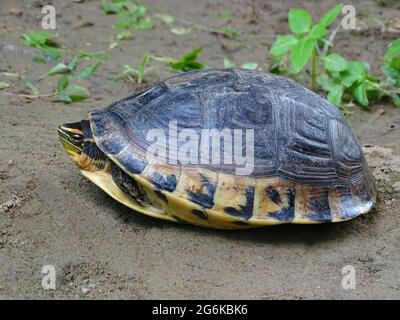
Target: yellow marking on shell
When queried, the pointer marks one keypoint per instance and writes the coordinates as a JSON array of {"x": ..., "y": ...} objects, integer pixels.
[
  {"x": 164, "y": 170},
  {"x": 153, "y": 198},
  {"x": 264, "y": 205},
  {"x": 336, "y": 204},
  {"x": 183, "y": 209},
  {"x": 176, "y": 206},
  {"x": 148, "y": 187},
  {"x": 191, "y": 180},
  {"x": 231, "y": 192},
  {"x": 105, "y": 182},
  {"x": 304, "y": 194}
]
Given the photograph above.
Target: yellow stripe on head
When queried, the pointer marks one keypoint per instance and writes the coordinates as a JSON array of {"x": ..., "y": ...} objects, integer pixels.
[{"x": 71, "y": 136}]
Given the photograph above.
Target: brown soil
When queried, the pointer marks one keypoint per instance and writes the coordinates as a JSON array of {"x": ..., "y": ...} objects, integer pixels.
[{"x": 49, "y": 214}]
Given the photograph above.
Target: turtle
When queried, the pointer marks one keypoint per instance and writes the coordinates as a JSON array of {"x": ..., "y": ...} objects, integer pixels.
[{"x": 307, "y": 165}]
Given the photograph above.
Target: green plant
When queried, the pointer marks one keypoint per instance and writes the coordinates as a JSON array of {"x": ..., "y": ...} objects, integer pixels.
[
  {"x": 47, "y": 50},
  {"x": 139, "y": 73},
  {"x": 224, "y": 15},
  {"x": 97, "y": 55},
  {"x": 351, "y": 79},
  {"x": 248, "y": 65},
  {"x": 306, "y": 43},
  {"x": 227, "y": 31},
  {"x": 28, "y": 83},
  {"x": 69, "y": 68},
  {"x": 70, "y": 93},
  {"x": 342, "y": 80},
  {"x": 129, "y": 15},
  {"x": 180, "y": 31},
  {"x": 187, "y": 62},
  {"x": 124, "y": 35},
  {"x": 4, "y": 85}
]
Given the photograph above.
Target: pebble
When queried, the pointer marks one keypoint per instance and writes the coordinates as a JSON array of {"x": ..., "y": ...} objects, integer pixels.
[{"x": 85, "y": 290}]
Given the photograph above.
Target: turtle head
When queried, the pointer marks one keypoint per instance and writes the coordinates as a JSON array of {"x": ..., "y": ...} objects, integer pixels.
[
  {"x": 72, "y": 136},
  {"x": 78, "y": 142}
]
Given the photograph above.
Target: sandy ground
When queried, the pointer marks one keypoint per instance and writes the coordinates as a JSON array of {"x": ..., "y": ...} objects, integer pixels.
[{"x": 50, "y": 215}]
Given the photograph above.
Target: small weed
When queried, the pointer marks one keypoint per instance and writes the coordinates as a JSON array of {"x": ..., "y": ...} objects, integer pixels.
[
  {"x": 47, "y": 49},
  {"x": 129, "y": 15},
  {"x": 342, "y": 80},
  {"x": 4, "y": 85},
  {"x": 70, "y": 93},
  {"x": 249, "y": 65},
  {"x": 139, "y": 73},
  {"x": 225, "y": 15},
  {"x": 180, "y": 31},
  {"x": 187, "y": 62}
]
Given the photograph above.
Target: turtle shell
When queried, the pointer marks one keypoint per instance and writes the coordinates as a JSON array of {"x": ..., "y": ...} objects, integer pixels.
[{"x": 308, "y": 166}]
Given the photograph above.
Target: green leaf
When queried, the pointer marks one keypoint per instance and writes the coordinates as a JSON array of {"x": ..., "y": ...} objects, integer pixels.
[
  {"x": 355, "y": 72},
  {"x": 187, "y": 62},
  {"x": 166, "y": 18},
  {"x": 143, "y": 24},
  {"x": 37, "y": 38},
  {"x": 326, "y": 82},
  {"x": 72, "y": 64},
  {"x": 29, "y": 84},
  {"x": 396, "y": 99},
  {"x": 192, "y": 55},
  {"x": 331, "y": 15},
  {"x": 230, "y": 32},
  {"x": 10, "y": 74},
  {"x": 393, "y": 50},
  {"x": 229, "y": 63},
  {"x": 64, "y": 98},
  {"x": 335, "y": 62},
  {"x": 87, "y": 72},
  {"x": 76, "y": 93},
  {"x": 224, "y": 15},
  {"x": 98, "y": 55},
  {"x": 299, "y": 21},
  {"x": 250, "y": 65},
  {"x": 301, "y": 53},
  {"x": 59, "y": 68},
  {"x": 180, "y": 31},
  {"x": 392, "y": 74},
  {"x": 395, "y": 64},
  {"x": 113, "y": 45},
  {"x": 124, "y": 35},
  {"x": 134, "y": 18},
  {"x": 62, "y": 83},
  {"x": 335, "y": 95},
  {"x": 117, "y": 6},
  {"x": 4, "y": 85},
  {"x": 282, "y": 45},
  {"x": 318, "y": 31},
  {"x": 360, "y": 94},
  {"x": 48, "y": 50},
  {"x": 145, "y": 60}
]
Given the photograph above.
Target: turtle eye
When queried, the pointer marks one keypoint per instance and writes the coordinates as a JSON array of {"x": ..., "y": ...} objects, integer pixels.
[{"x": 77, "y": 137}]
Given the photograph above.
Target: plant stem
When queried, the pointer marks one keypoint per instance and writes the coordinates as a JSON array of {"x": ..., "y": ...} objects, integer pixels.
[
  {"x": 28, "y": 96},
  {"x": 329, "y": 43},
  {"x": 314, "y": 70}
]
